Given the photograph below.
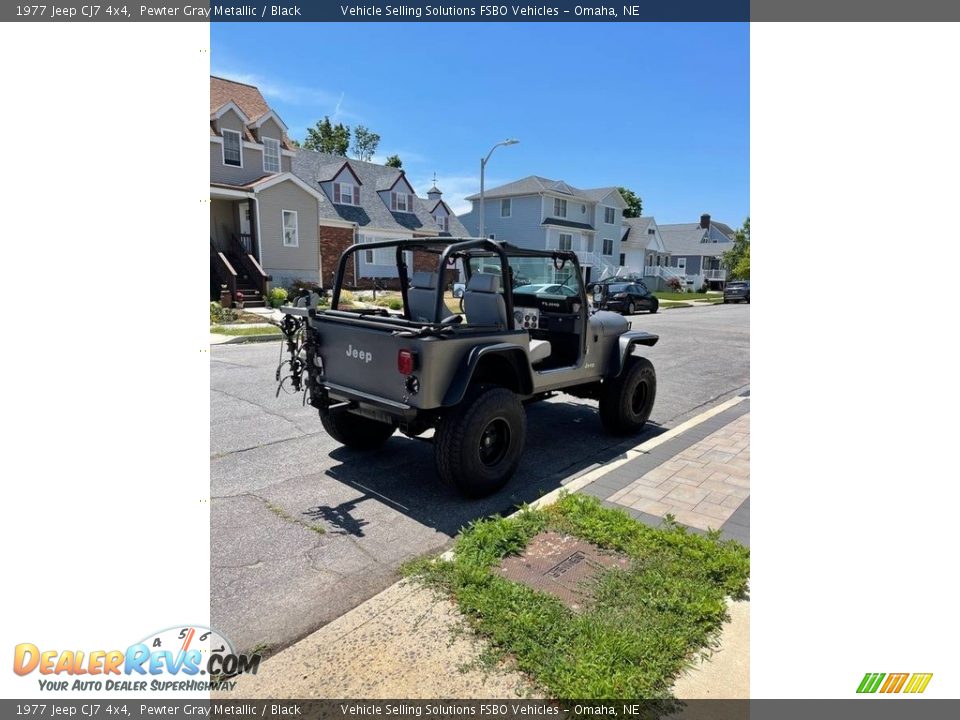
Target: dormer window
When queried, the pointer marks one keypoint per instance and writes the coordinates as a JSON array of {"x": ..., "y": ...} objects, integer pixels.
[
  {"x": 232, "y": 148},
  {"x": 271, "y": 155},
  {"x": 651, "y": 231},
  {"x": 609, "y": 215},
  {"x": 443, "y": 222},
  {"x": 401, "y": 202},
  {"x": 346, "y": 194},
  {"x": 559, "y": 207}
]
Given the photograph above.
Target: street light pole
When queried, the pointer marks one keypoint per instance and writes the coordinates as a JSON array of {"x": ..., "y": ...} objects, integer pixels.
[{"x": 483, "y": 166}]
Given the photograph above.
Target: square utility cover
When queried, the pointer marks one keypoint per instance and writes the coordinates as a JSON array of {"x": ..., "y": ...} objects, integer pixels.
[{"x": 561, "y": 565}]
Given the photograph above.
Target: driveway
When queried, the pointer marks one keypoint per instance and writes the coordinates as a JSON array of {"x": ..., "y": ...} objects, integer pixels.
[{"x": 303, "y": 530}]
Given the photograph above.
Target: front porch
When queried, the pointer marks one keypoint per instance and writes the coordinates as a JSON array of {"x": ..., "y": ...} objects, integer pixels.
[{"x": 234, "y": 248}]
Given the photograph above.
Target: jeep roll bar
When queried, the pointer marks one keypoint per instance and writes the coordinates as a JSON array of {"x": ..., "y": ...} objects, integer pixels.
[{"x": 452, "y": 246}]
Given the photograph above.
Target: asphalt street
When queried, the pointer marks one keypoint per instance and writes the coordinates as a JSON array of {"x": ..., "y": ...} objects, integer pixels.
[{"x": 303, "y": 530}]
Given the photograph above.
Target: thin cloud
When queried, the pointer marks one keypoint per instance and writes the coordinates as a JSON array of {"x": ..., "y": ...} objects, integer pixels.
[{"x": 325, "y": 101}]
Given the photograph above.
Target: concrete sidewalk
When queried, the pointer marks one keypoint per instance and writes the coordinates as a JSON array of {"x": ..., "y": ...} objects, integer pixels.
[{"x": 407, "y": 642}]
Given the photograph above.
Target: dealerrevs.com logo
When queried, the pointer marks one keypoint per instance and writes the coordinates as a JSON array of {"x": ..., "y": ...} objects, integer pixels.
[
  {"x": 184, "y": 658},
  {"x": 910, "y": 683}
]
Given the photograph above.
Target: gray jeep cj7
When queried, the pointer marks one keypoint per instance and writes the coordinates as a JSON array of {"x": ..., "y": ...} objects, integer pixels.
[{"x": 466, "y": 375}]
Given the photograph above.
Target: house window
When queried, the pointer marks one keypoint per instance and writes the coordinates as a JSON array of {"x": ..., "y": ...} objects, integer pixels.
[
  {"x": 291, "y": 233},
  {"x": 607, "y": 246},
  {"x": 271, "y": 155},
  {"x": 346, "y": 194},
  {"x": 559, "y": 207},
  {"x": 566, "y": 241},
  {"x": 491, "y": 236},
  {"x": 609, "y": 215},
  {"x": 401, "y": 202},
  {"x": 506, "y": 207},
  {"x": 651, "y": 231},
  {"x": 589, "y": 244},
  {"x": 443, "y": 222},
  {"x": 232, "y": 152},
  {"x": 623, "y": 259}
]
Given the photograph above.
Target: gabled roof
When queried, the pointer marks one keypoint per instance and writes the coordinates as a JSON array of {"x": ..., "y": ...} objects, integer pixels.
[
  {"x": 456, "y": 228},
  {"x": 248, "y": 100},
  {"x": 536, "y": 184},
  {"x": 687, "y": 239},
  {"x": 392, "y": 185},
  {"x": 638, "y": 237},
  {"x": 315, "y": 168},
  {"x": 269, "y": 180}
]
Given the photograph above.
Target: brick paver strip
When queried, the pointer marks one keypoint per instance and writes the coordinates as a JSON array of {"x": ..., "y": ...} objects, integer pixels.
[{"x": 701, "y": 477}]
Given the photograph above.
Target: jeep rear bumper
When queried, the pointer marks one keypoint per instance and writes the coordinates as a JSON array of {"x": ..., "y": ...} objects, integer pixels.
[{"x": 372, "y": 406}]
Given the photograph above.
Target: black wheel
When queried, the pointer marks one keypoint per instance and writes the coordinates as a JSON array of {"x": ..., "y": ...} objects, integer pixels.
[
  {"x": 478, "y": 446},
  {"x": 626, "y": 401},
  {"x": 655, "y": 305},
  {"x": 355, "y": 431},
  {"x": 631, "y": 308}
]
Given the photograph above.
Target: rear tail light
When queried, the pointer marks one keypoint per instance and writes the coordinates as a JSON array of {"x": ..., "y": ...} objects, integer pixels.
[{"x": 406, "y": 360}]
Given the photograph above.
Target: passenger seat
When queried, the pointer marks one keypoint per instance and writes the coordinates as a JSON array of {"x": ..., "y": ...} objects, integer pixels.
[{"x": 422, "y": 297}]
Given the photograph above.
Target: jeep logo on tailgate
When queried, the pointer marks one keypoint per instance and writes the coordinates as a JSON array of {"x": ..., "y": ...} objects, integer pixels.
[{"x": 358, "y": 354}]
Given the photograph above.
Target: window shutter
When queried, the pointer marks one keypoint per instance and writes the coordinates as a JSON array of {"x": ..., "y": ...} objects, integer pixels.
[
  {"x": 336, "y": 192},
  {"x": 393, "y": 201},
  {"x": 409, "y": 203},
  {"x": 356, "y": 195}
]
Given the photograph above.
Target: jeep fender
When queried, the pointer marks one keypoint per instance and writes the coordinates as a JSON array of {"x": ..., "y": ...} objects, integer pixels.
[
  {"x": 626, "y": 342},
  {"x": 510, "y": 362}
]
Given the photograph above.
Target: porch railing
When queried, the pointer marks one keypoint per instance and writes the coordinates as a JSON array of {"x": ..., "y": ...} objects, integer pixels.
[
  {"x": 720, "y": 274},
  {"x": 224, "y": 271},
  {"x": 249, "y": 264}
]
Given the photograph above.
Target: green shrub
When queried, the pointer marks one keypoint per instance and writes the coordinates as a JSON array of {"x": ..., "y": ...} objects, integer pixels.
[
  {"x": 278, "y": 296},
  {"x": 220, "y": 314},
  {"x": 395, "y": 303}
]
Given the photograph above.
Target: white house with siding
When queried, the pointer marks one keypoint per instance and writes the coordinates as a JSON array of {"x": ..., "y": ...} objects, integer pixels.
[{"x": 696, "y": 251}]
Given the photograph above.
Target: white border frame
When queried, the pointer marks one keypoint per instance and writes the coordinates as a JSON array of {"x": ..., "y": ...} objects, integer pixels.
[
  {"x": 283, "y": 228},
  {"x": 223, "y": 147}
]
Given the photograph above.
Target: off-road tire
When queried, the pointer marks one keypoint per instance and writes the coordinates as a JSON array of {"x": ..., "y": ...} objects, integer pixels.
[
  {"x": 356, "y": 431},
  {"x": 459, "y": 441},
  {"x": 626, "y": 400}
]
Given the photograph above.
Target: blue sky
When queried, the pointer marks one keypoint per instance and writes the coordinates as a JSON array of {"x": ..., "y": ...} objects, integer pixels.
[{"x": 662, "y": 109}]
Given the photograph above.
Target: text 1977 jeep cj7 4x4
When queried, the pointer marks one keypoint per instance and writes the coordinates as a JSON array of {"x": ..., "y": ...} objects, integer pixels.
[{"x": 467, "y": 375}]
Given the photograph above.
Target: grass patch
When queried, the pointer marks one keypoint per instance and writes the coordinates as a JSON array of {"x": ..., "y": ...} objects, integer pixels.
[
  {"x": 287, "y": 517},
  {"x": 259, "y": 330},
  {"x": 683, "y": 295},
  {"x": 645, "y": 625}
]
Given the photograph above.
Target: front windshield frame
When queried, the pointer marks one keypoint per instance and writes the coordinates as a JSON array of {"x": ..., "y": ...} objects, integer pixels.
[{"x": 530, "y": 270}]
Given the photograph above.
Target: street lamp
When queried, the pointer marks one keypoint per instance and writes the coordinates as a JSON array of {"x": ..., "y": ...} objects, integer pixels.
[{"x": 483, "y": 165}]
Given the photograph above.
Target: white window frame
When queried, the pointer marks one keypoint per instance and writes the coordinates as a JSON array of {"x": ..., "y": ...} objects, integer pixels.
[
  {"x": 343, "y": 185},
  {"x": 560, "y": 238},
  {"x": 267, "y": 143},
  {"x": 223, "y": 147},
  {"x": 296, "y": 228},
  {"x": 557, "y": 207},
  {"x": 590, "y": 243},
  {"x": 603, "y": 249},
  {"x": 509, "y": 202},
  {"x": 443, "y": 222},
  {"x": 613, "y": 214},
  {"x": 407, "y": 201}
]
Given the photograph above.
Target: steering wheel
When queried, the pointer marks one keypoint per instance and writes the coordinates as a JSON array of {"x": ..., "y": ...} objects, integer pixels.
[{"x": 559, "y": 263}]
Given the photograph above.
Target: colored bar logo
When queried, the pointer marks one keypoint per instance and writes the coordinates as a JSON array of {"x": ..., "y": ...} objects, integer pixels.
[{"x": 894, "y": 682}]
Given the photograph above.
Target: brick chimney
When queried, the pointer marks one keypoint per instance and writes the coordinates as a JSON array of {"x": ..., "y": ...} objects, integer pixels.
[{"x": 705, "y": 221}]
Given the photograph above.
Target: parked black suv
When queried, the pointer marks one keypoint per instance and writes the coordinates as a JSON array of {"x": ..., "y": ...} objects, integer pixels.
[{"x": 737, "y": 291}]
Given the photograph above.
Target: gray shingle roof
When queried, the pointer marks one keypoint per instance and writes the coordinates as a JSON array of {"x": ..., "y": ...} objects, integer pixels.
[
  {"x": 314, "y": 168},
  {"x": 535, "y": 184},
  {"x": 637, "y": 229},
  {"x": 686, "y": 239}
]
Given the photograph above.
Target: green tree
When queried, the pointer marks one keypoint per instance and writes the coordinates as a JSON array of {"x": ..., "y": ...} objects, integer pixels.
[
  {"x": 634, "y": 203},
  {"x": 328, "y": 138},
  {"x": 365, "y": 143},
  {"x": 737, "y": 258},
  {"x": 394, "y": 161},
  {"x": 295, "y": 143}
]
